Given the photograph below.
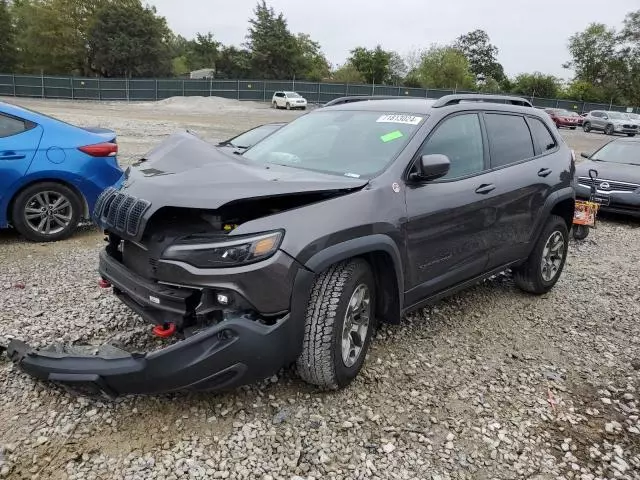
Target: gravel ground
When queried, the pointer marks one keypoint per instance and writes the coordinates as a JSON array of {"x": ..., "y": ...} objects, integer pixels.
[{"x": 490, "y": 383}]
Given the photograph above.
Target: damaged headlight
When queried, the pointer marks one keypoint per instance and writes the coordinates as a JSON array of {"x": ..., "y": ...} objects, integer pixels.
[{"x": 203, "y": 252}]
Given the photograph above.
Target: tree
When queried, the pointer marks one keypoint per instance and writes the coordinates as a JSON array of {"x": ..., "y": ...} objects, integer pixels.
[
  {"x": 593, "y": 52},
  {"x": 482, "y": 55},
  {"x": 347, "y": 73},
  {"x": 373, "y": 65},
  {"x": 315, "y": 66},
  {"x": 537, "y": 85},
  {"x": 398, "y": 69},
  {"x": 631, "y": 29},
  {"x": 583, "y": 91},
  {"x": 275, "y": 51},
  {"x": 130, "y": 40},
  {"x": 7, "y": 39},
  {"x": 445, "y": 67},
  {"x": 233, "y": 63},
  {"x": 202, "y": 52}
]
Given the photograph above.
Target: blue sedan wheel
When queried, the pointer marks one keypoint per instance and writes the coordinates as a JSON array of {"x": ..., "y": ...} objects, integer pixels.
[{"x": 46, "y": 212}]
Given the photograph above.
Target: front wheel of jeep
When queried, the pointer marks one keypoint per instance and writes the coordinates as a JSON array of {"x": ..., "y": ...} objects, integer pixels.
[
  {"x": 544, "y": 266},
  {"x": 339, "y": 323}
]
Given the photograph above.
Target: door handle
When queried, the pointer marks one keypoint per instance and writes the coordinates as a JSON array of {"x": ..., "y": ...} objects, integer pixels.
[
  {"x": 543, "y": 172},
  {"x": 11, "y": 156},
  {"x": 485, "y": 188}
]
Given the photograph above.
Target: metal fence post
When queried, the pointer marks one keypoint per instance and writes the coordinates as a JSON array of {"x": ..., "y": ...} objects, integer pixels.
[
  {"x": 14, "y": 84},
  {"x": 99, "y": 90},
  {"x": 211, "y": 86},
  {"x": 183, "y": 87},
  {"x": 346, "y": 92},
  {"x": 156, "y": 89},
  {"x": 42, "y": 81},
  {"x": 127, "y": 87},
  {"x": 398, "y": 91},
  {"x": 72, "y": 93},
  {"x": 238, "y": 89},
  {"x": 264, "y": 91},
  {"x": 318, "y": 93}
]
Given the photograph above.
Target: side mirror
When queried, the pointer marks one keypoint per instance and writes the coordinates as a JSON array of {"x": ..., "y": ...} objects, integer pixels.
[
  {"x": 584, "y": 155},
  {"x": 431, "y": 167}
]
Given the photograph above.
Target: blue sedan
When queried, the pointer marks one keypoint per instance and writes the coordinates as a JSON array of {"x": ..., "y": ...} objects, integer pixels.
[{"x": 51, "y": 172}]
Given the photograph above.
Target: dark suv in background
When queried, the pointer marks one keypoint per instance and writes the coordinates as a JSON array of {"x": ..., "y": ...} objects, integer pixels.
[{"x": 295, "y": 249}]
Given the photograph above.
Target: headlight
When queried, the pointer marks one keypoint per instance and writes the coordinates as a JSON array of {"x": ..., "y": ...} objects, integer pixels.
[{"x": 206, "y": 252}]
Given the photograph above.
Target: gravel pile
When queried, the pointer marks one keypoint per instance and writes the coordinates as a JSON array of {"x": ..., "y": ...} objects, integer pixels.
[{"x": 490, "y": 383}]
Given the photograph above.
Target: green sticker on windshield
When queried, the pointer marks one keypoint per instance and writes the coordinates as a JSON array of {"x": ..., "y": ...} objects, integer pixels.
[{"x": 391, "y": 136}]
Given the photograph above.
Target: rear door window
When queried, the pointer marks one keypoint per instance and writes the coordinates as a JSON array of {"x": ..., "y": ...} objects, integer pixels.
[
  {"x": 10, "y": 126},
  {"x": 509, "y": 139}
]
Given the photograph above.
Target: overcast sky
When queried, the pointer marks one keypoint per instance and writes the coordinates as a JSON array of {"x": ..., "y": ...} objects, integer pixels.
[{"x": 531, "y": 34}]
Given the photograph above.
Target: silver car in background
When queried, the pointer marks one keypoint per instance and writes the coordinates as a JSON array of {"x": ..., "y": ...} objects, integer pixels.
[{"x": 610, "y": 123}]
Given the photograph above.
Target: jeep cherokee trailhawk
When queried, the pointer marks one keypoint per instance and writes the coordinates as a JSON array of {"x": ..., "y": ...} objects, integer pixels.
[{"x": 293, "y": 250}]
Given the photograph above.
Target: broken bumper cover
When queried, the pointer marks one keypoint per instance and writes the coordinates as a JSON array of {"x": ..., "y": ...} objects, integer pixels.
[{"x": 235, "y": 352}]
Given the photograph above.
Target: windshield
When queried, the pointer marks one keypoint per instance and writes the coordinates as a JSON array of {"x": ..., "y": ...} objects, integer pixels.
[
  {"x": 633, "y": 116},
  {"x": 615, "y": 115},
  {"x": 247, "y": 139},
  {"x": 351, "y": 143},
  {"x": 292, "y": 95},
  {"x": 571, "y": 114},
  {"x": 619, "y": 152}
]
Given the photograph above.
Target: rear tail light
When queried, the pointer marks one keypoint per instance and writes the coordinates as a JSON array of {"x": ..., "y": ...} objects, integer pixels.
[{"x": 107, "y": 149}]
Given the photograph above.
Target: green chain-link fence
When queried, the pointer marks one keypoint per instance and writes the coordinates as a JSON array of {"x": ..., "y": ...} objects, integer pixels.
[{"x": 78, "y": 88}]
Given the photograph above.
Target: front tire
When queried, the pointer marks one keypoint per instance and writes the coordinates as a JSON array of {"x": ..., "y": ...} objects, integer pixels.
[
  {"x": 608, "y": 130},
  {"x": 46, "y": 212},
  {"x": 586, "y": 126},
  {"x": 544, "y": 266},
  {"x": 288, "y": 106},
  {"x": 339, "y": 323}
]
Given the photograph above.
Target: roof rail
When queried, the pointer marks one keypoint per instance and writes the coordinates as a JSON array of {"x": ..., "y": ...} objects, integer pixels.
[
  {"x": 360, "y": 98},
  {"x": 478, "y": 97}
]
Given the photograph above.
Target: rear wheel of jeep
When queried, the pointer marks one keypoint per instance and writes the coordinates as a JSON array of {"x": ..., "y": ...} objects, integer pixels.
[
  {"x": 339, "y": 323},
  {"x": 542, "y": 269},
  {"x": 586, "y": 126}
]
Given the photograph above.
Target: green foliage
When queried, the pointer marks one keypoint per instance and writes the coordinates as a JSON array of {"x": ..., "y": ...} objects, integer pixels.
[
  {"x": 347, "y": 73},
  {"x": 130, "y": 40},
  {"x": 398, "y": 69},
  {"x": 482, "y": 55},
  {"x": 373, "y": 65},
  {"x": 233, "y": 63},
  {"x": 275, "y": 50},
  {"x": 202, "y": 52},
  {"x": 445, "y": 67},
  {"x": 314, "y": 65},
  {"x": 8, "y": 52},
  {"x": 537, "y": 85}
]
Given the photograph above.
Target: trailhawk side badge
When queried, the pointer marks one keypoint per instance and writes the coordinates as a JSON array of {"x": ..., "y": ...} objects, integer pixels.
[
  {"x": 396, "y": 187},
  {"x": 153, "y": 299}
]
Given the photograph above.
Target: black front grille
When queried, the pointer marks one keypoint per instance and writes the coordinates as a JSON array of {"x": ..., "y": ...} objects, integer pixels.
[
  {"x": 632, "y": 127},
  {"x": 120, "y": 212},
  {"x": 613, "y": 185}
]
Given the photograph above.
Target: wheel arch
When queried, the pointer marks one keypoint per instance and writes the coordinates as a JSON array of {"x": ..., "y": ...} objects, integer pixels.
[
  {"x": 383, "y": 256},
  {"x": 35, "y": 181}
]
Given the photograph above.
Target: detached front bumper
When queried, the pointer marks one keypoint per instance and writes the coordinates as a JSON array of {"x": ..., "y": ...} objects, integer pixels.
[{"x": 235, "y": 352}]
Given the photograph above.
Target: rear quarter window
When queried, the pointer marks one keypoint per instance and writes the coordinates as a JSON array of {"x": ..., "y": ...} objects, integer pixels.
[
  {"x": 10, "y": 126},
  {"x": 541, "y": 135}
]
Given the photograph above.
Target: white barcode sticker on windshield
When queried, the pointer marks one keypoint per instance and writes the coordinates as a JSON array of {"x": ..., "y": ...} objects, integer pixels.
[{"x": 406, "y": 119}]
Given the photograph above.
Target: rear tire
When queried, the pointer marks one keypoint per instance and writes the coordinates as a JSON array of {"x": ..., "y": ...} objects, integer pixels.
[
  {"x": 586, "y": 126},
  {"x": 335, "y": 340},
  {"x": 631, "y": 134},
  {"x": 580, "y": 232},
  {"x": 608, "y": 130},
  {"x": 572, "y": 128},
  {"x": 274, "y": 105},
  {"x": 544, "y": 266},
  {"x": 46, "y": 206}
]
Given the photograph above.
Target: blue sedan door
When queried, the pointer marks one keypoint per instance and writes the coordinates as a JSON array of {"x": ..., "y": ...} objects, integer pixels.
[{"x": 19, "y": 141}]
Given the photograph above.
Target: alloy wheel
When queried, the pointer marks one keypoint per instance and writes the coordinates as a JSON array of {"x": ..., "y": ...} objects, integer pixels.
[
  {"x": 552, "y": 256},
  {"x": 356, "y": 323},
  {"x": 48, "y": 212}
]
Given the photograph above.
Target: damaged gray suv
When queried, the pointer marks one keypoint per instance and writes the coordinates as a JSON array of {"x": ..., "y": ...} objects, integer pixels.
[{"x": 293, "y": 250}]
